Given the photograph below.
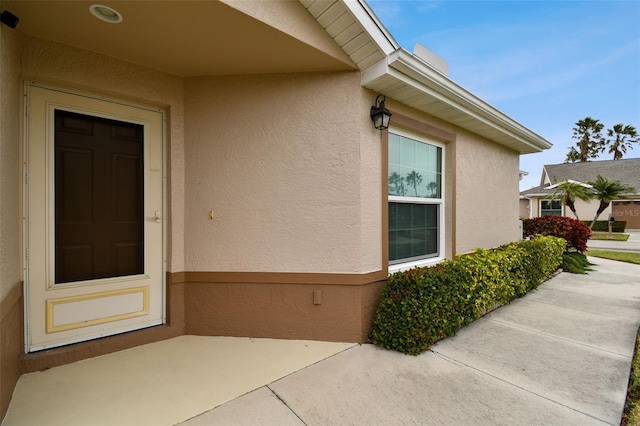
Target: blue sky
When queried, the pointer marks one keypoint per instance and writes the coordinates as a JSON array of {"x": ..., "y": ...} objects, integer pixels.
[{"x": 546, "y": 64}]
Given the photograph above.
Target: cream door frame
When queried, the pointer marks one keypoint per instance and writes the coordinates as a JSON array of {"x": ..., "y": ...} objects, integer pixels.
[{"x": 60, "y": 314}]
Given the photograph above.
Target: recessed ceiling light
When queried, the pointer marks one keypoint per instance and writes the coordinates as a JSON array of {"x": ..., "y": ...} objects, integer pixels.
[{"x": 105, "y": 13}]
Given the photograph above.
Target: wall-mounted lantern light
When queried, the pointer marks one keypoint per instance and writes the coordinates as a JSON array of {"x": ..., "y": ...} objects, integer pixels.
[{"x": 379, "y": 114}]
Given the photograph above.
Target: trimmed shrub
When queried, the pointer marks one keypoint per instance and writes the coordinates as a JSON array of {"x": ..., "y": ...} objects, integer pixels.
[
  {"x": 424, "y": 305},
  {"x": 573, "y": 231},
  {"x": 603, "y": 225},
  {"x": 418, "y": 309}
]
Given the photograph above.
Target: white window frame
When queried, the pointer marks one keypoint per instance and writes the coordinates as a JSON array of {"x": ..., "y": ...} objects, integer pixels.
[
  {"x": 551, "y": 201},
  {"x": 403, "y": 266}
]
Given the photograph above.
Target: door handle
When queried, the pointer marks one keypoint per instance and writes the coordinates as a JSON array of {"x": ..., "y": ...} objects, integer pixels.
[{"x": 158, "y": 216}]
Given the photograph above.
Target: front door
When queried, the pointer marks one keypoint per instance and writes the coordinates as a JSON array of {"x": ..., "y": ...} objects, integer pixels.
[{"x": 94, "y": 188}]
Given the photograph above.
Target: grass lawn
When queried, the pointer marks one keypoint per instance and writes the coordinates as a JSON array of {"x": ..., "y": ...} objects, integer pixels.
[
  {"x": 631, "y": 416},
  {"x": 621, "y": 256},
  {"x": 595, "y": 235}
]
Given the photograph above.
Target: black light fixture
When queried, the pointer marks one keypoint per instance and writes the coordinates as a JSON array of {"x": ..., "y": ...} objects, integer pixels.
[
  {"x": 379, "y": 114},
  {"x": 9, "y": 19}
]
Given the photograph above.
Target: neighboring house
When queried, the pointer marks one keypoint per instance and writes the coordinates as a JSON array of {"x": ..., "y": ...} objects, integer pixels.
[
  {"x": 536, "y": 201},
  {"x": 211, "y": 168}
]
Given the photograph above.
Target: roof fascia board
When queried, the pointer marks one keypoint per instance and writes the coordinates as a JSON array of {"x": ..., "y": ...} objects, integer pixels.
[
  {"x": 555, "y": 185},
  {"x": 404, "y": 67},
  {"x": 372, "y": 25},
  {"x": 460, "y": 97},
  {"x": 536, "y": 195},
  {"x": 544, "y": 177}
]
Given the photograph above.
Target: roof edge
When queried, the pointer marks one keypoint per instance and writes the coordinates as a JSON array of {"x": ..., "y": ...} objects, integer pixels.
[
  {"x": 372, "y": 25},
  {"x": 432, "y": 82},
  {"x": 458, "y": 95}
]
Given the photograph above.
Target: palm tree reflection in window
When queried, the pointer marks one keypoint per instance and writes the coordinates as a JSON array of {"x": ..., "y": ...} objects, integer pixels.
[
  {"x": 397, "y": 183},
  {"x": 414, "y": 179},
  {"x": 433, "y": 189}
]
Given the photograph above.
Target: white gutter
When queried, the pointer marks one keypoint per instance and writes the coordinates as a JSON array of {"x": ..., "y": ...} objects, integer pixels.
[{"x": 403, "y": 66}]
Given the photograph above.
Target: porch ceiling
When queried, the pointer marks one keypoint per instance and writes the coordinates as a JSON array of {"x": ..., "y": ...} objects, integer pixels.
[{"x": 185, "y": 38}]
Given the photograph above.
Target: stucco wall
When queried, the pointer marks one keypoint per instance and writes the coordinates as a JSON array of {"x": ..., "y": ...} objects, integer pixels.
[
  {"x": 11, "y": 329},
  {"x": 10, "y": 154},
  {"x": 52, "y": 63},
  {"x": 486, "y": 193},
  {"x": 525, "y": 207},
  {"x": 277, "y": 160},
  {"x": 587, "y": 210},
  {"x": 371, "y": 196}
]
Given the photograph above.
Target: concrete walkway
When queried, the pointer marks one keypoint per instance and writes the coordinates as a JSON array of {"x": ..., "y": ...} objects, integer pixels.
[{"x": 559, "y": 356}]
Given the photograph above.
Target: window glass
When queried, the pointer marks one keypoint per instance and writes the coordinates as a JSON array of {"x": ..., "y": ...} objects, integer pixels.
[
  {"x": 550, "y": 208},
  {"x": 415, "y": 198},
  {"x": 415, "y": 168}
]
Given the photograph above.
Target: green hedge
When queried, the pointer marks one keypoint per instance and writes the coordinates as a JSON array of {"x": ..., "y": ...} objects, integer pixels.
[
  {"x": 424, "y": 305},
  {"x": 603, "y": 225}
]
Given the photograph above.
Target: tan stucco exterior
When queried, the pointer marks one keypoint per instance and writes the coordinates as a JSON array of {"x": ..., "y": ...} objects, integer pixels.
[
  {"x": 10, "y": 215},
  {"x": 487, "y": 193},
  {"x": 524, "y": 208},
  {"x": 288, "y": 192},
  {"x": 10, "y": 158}
]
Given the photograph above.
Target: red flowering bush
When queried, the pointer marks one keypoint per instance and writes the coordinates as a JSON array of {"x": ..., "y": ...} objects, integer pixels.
[{"x": 573, "y": 231}]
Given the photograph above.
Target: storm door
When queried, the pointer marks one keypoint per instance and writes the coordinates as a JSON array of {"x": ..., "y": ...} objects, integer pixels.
[{"x": 94, "y": 255}]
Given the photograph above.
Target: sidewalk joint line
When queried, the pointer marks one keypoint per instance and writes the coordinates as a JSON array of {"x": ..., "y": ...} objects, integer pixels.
[
  {"x": 455, "y": 361},
  {"x": 579, "y": 310},
  {"x": 286, "y": 405},
  {"x": 579, "y": 291},
  {"x": 532, "y": 330}
]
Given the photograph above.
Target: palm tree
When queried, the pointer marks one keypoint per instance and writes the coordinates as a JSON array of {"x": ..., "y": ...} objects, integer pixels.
[
  {"x": 590, "y": 141},
  {"x": 619, "y": 145},
  {"x": 397, "y": 182},
  {"x": 607, "y": 191},
  {"x": 568, "y": 191},
  {"x": 414, "y": 179},
  {"x": 573, "y": 156}
]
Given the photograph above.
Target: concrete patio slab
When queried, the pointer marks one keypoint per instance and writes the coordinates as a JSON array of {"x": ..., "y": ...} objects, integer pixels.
[{"x": 162, "y": 383}]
